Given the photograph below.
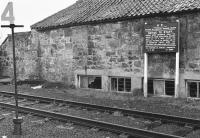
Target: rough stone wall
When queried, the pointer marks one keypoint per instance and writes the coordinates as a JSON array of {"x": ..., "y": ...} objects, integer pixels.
[
  {"x": 52, "y": 53},
  {"x": 79, "y": 43},
  {"x": 116, "y": 46},
  {"x": 26, "y": 57},
  {"x": 60, "y": 52},
  {"x": 5, "y": 61},
  {"x": 193, "y": 43},
  {"x": 190, "y": 65},
  {"x": 105, "y": 49}
]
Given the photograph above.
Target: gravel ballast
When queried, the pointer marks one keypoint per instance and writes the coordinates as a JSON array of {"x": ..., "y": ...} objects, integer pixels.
[{"x": 37, "y": 127}]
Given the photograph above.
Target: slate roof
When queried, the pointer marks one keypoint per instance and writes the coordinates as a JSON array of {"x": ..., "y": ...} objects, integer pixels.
[{"x": 86, "y": 11}]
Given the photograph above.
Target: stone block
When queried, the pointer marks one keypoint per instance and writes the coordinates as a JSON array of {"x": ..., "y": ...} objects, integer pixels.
[
  {"x": 113, "y": 44},
  {"x": 137, "y": 64},
  {"x": 68, "y": 32},
  {"x": 112, "y": 59},
  {"x": 193, "y": 65},
  {"x": 108, "y": 36},
  {"x": 89, "y": 62},
  {"x": 125, "y": 65},
  {"x": 133, "y": 57},
  {"x": 137, "y": 70},
  {"x": 121, "y": 59},
  {"x": 110, "y": 53}
]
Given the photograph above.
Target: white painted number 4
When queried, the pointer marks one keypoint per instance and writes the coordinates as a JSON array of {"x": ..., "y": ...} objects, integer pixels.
[{"x": 7, "y": 14}]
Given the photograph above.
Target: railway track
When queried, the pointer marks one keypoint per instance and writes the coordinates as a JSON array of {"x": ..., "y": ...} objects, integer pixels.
[
  {"x": 134, "y": 132},
  {"x": 149, "y": 115},
  {"x": 99, "y": 124}
]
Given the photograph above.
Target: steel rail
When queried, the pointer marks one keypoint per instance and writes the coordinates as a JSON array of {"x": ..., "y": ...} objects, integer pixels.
[
  {"x": 150, "y": 115},
  {"x": 92, "y": 123}
]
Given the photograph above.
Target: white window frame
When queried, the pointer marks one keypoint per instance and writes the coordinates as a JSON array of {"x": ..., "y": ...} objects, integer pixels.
[
  {"x": 79, "y": 81},
  {"x": 118, "y": 77},
  {"x": 160, "y": 79},
  {"x": 187, "y": 88}
]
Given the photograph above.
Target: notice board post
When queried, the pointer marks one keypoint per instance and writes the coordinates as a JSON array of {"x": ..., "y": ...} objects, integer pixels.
[
  {"x": 145, "y": 75},
  {"x": 177, "y": 63},
  {"x": 160, "y": 38},
  {"x": 145, "y": 83}
]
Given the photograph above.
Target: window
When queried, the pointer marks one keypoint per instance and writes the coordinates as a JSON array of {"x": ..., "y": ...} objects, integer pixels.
[
  {"x": 114, "y": 84},
  {"x": 121, "y": 84},
  {"x": 93, "y": 82},
  {"x": 161, "y": 87},
  {"x": 193, "y": 89},
  {"x": 150, "y": 86},
  {"x": 169, "y": 87}
]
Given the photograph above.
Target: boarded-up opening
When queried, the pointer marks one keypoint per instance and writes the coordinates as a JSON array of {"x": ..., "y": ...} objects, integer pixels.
[
  {"x": 83, "y": 81},
  {"x": 159, "y": 87},
  {"x": 93, "y": 82},
  {"x": 120, "y": 84}
]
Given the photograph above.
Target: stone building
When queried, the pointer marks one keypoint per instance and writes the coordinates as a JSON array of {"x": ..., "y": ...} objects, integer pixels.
[
  {"x": 26, "y": 57},
  {"x": 99, "y": 44}
]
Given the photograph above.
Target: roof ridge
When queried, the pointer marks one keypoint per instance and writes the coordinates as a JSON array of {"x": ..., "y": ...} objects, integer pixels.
[{"x": 86, "y": 11}]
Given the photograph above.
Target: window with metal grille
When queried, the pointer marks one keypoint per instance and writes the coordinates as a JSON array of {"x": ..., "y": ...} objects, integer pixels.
[{"x": 121, "y": 84}]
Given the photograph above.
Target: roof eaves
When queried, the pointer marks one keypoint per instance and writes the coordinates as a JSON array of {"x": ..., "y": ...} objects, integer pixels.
[
  {"x": 4, "y": 41},
  {"x": 132, "y": 14}
]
